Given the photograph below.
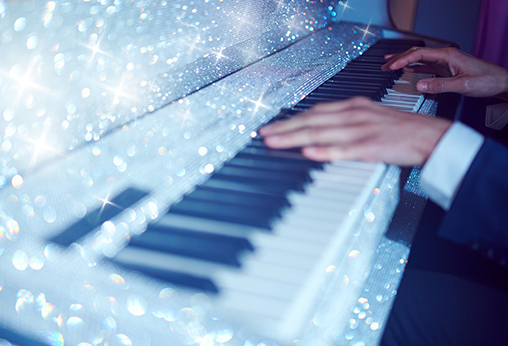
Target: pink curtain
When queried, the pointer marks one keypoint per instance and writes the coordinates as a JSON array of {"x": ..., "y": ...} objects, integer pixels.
[{"x": 491, "y": 42}]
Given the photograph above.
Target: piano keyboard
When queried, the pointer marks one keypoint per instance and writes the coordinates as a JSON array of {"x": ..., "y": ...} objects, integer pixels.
[
  {"x": 258, "y": 235},
  {"x": 260, "y": 231}
]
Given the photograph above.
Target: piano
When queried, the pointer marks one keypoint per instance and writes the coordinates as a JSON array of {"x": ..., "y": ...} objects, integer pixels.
[{"x": 138, "y": 205}]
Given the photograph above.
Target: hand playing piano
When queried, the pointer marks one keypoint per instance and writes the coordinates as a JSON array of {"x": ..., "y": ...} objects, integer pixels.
[
  {"x": 358, "y": 129},
  {"x": 458, "y": 72}
]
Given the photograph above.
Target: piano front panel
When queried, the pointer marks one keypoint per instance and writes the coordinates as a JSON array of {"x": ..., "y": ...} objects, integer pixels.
[{"x": 87, "y": 205}]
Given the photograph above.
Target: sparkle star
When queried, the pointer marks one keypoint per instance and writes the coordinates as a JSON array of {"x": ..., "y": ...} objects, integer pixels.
[
  {"x": 219, "y": 55},
  {"x": 366, "y": 31},
  {"x": 24, "y": 82},
  {"x": 40, "y": 147},
  {"x": 118, "y": 93},
  {"x": 94, "y": 47},
  {"x": 223, "y": 88},
  {"x": 258, "y": 103},
  {"x": 185, "y": 117},
  {"x": 345, "y": 6},
  {"x": 192, "y": 44},
  {"x": 105, "y": 201}
]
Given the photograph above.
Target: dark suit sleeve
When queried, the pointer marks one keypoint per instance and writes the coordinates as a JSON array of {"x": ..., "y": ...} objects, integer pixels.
[{"x": 478, "y": 216}]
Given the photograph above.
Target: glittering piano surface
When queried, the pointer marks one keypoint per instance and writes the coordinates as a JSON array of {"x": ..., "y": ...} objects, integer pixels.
[
  {"x": 72, "y": 71},
  {"x": 101, "y": 96}
]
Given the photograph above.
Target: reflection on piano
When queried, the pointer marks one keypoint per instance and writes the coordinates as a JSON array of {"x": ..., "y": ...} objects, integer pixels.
[{"x": 139, "y": 207}]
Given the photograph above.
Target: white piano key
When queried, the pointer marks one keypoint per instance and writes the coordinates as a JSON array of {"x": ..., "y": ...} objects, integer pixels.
[
  {"x": 403, "y": 95},
  {"x": 251, "y": 303},
  {"x": 334, "y": 169},
  {"x": 334, "y": 187},
  {"x": 316, "y": 235},
  {"x": 314, "y": 204},
  {"x": 205, "y": 225},
  {"x": 257, "y": 286},
  {"x": 267, "y": 264},
  {"x": 360, "y": 165},
  {"x": 281, "y": 243},
  {"x": 274, "y": 271},
  {"x": 315, "y": 214},
  {"x": 286, "y": 259},
  {"x": 159, "y": 260},
  {"x": 337, "y": 178},
  {"x": 302, "y": 222}
]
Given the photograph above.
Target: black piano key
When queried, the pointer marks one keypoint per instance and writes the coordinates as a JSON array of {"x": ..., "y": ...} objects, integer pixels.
[
  {"x": 351, "y": 92},
  {"x": 389, "y": 74},
  {"x": 264, "y": 174},
  {"x": 310, "y": 102},
  {"x": 176, "y": 278},
  {"x": 331, "y": 94},
  {"x": 255, "y": 144},
  {"x": 231, "y": 185},
  {"x": 373, "y": 64},
  {"x": 276, "y": 186},
  {"x": 238, "y": 242},
  {"x": 393, "y": 45},
  {"x": 278, "y": 155},
  {"x": 198, "y": 245},
  {"x": 272, "y": 165},
  {"x": 346, "y": 84},
  {"x": 97, "y": 217},
  {"x": 330, "y": 90},
  {"x": 248, "y": 216},
  {"x": 303, "y": 108},
  {"x": 239, "y": 198},
  {"x": 261, "y": 144},
  {"x": 259, "y": 154},
  {"x": 387, "y": 83},
  {"x": 364, "y": 74},
  {"x": 274, "y": 153},
  {"x": 264, "y": 187}
]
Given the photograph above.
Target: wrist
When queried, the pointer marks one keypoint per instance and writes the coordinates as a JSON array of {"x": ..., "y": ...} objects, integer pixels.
[{"x": 504, "y": 86}]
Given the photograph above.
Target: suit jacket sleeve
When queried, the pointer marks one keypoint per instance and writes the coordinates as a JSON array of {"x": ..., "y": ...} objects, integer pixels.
[{"x": 478, "y": 216}]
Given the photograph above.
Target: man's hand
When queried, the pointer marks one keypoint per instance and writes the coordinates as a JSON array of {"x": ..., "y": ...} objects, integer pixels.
[
  {"x": 358, "y": 129},
  {"x": 459, "y": 72}
]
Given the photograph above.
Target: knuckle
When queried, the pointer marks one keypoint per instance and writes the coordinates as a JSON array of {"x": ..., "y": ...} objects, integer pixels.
[
  {"x": 313, "y": 134},
  {"x": 437, "y": 85},
  {"x": 468, "y": 85},
  {"x": 451, "y": 51}
]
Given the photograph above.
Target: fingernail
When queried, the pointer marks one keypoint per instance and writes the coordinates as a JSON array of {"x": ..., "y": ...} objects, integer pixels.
[
  {"x": 388, "y": 56},
  {"x": 423, "y": 86}
]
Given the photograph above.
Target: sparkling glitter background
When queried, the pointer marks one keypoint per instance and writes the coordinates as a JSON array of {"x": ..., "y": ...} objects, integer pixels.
[{"x": 72, "y": 71}]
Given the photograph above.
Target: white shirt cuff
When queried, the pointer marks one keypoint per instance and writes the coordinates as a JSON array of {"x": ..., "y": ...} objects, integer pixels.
[
  {"x": 496, "y": 116},
  {"x": 445, "y": 169}
]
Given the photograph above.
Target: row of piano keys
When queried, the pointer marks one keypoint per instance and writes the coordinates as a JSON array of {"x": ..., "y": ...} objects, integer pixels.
[{"x": 257, "y": 187}]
